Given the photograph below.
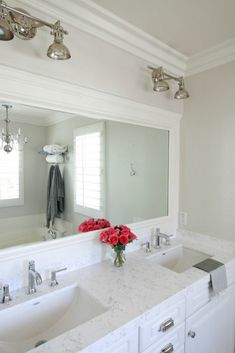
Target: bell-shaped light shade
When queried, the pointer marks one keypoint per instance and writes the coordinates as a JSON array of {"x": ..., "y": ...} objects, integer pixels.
[
  {"x": 58, "y": 51},
  {"x": 5, "y": 30},
  {"x": 160, "y": 86},
  {"x": 181, "y": 93}
]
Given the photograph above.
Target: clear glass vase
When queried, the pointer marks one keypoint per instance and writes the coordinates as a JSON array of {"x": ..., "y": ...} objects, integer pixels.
[{"x": 119, "y": 256}]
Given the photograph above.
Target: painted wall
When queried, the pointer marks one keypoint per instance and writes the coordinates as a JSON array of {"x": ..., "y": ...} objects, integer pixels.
[
  {"x": 34, "y": 173},
  {"x": 208, "y": 153},
  {"x": 94, "y": 64}
]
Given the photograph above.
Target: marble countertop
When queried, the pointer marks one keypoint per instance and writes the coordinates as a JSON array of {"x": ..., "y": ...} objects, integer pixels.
[{"x": 130, "y": 291}]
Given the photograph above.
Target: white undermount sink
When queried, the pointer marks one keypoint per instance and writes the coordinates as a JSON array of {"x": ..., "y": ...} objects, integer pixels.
[
  {"x": 178, "y": 258},
  {"x": 24, "y": 326}
]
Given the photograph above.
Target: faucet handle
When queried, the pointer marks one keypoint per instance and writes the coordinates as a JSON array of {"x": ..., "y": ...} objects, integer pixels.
[
  {"x": 6, "y": 298},
  {"x": 147, "y": 246},
  {"x": 54, "y": 281},
  {"x": 31, "y": 265}
]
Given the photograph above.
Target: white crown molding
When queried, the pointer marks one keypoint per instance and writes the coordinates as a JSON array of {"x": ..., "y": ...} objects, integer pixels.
[
  {"x": 212, "y": 57},
  {"x": 87, "y": 16}
]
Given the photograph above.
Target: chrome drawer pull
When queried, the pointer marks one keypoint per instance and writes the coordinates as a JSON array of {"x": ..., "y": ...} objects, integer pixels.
[
  {"x": 166, "y": 325},
  {"x": 168, "y": 349},
  {"x": 191, "y": 334}
]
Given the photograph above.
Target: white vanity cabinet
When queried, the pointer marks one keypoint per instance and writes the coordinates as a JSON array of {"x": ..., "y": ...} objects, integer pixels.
[
  {"x": 129, "y": 344},
  {"x": 211, "y": 329}
]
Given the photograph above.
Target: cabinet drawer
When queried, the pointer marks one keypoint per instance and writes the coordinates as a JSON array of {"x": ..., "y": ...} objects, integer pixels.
[
  {"x": 173, "y": 342},
  {"x": 159, "y": 327}
]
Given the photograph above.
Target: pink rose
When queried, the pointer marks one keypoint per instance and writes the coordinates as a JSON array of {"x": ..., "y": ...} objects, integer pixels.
[
  {"x": 90, "y": 221},
  {"x": 106, "y": 223},
  {"x": 96, "y": 227},
  {"x": 132, "y": 236},
  {"x": 113, "y": 240},
  {"x": 104, "y": 237},
  {"x": 124, "y": 239},
  {"x": 125, "y": 232}
]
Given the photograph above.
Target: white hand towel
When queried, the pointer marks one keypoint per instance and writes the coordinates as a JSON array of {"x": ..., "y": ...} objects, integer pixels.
[
  {"x": 54, "y": 158},
  {"x": 54, "y": 149}
]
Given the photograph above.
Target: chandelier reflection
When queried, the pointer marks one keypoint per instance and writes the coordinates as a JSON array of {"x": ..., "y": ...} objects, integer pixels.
[{"x": 9, "y": 140}]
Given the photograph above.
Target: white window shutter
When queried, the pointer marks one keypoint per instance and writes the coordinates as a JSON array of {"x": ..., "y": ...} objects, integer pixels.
[
  {"x": 11, "y": 178},
  {"x": 89, "y": 170}
]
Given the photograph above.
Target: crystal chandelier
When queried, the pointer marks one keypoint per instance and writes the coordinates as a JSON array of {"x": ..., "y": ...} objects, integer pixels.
[{"x": 8, "y": 140}]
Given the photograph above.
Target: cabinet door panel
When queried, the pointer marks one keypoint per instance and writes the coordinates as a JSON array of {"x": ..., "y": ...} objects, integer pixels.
[
  {"x": 211, "y": 329},
  {"x": 129, "y": 344}
]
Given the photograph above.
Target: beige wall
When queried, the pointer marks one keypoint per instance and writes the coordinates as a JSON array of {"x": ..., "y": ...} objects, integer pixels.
[{"x": 208, "y": 152}]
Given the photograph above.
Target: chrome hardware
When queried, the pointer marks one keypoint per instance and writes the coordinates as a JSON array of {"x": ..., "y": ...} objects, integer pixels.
[
  {"x": 54, "y": 281},
  {"x": 158, "y": 237},
  {"x": 6, "y": 298},
  {"x": 33, "y": 278},
  {"x": 166, "y": 325},
  {"x": 52, "y": 232},
  {"x": 147, "y": 246},
  {"x": 191, "y": 334},
  {"x": 168, "y": 349}
]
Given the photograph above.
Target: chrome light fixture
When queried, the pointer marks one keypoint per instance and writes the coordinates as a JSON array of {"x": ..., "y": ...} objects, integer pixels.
[
  {"x": 8, "y": 140},
  {"x": 18, "y": 22},
  {"x": 160, "y": 84}
]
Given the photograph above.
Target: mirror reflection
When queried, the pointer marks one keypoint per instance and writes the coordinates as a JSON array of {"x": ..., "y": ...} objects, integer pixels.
[{"x": 58, "y": 169}]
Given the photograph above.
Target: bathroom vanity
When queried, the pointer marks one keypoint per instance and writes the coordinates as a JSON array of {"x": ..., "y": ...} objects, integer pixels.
[{"x": 147, "y": 306}]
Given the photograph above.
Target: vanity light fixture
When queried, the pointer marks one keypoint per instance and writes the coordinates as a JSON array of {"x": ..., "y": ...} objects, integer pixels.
[
  {"x": 18, "y": 22},
  {"x": 9, "y": 140},
  {"x": 160, "y": 84}
]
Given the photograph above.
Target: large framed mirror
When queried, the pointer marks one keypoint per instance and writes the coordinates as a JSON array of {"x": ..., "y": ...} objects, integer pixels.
[
  {"x": 105, "y": 169},
  {"x": 72, "y": 108}
]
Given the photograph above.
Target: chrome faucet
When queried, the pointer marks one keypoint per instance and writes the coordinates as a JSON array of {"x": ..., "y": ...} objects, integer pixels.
[
  {"x": 52, "y": 232},
  {"x": 33, "y": 278},
  {"x": 6, "y": 298},
  {"x": 158, "y": 236}
]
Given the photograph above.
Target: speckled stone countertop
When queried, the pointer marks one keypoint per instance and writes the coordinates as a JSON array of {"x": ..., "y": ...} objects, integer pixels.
[{"x": 130, "y": 291}]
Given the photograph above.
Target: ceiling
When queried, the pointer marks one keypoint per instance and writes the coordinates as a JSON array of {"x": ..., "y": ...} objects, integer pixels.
[
  {"x": 189, "y": 26},
  {"x": 32, "y": 115}
]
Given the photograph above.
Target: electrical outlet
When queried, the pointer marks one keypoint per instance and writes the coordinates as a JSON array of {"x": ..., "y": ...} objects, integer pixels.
[{"x": 183, "y": 218}]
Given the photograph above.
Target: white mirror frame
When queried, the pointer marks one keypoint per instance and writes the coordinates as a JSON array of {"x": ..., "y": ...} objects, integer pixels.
[{"x": 22, "y": 87}]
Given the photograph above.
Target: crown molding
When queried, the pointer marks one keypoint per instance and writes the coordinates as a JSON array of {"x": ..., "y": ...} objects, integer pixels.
[
  {"x": 212, "y": 57},
  {"x": 87, "y": 16}
]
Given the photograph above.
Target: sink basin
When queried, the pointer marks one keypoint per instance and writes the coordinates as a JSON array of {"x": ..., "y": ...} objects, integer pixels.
[
  {"x": 36, "y": 321},
  {"x": 178, "y": 258}
]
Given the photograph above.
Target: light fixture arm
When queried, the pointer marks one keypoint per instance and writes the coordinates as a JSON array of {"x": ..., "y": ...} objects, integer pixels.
[
  {"x": 165, "y": 75},
  {"x": 30, "y": 17}
]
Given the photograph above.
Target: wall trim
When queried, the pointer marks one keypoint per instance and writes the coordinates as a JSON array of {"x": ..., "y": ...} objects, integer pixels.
[
  {"x": 89, "y": 17},
  {"x": 212, "y": 57},
  {"x": 27, "y": 88},
  {"x": 17, "y": 86}
]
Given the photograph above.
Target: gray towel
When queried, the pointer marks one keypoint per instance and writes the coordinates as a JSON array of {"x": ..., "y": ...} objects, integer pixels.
[
  {"x": 217, "y": 272},
  {"x": 55, "y": 195}
]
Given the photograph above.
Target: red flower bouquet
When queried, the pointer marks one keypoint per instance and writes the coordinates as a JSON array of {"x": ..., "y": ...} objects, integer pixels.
[
  {"x": 118, "y": 237},
  {"x": 93, "y": 224}
]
